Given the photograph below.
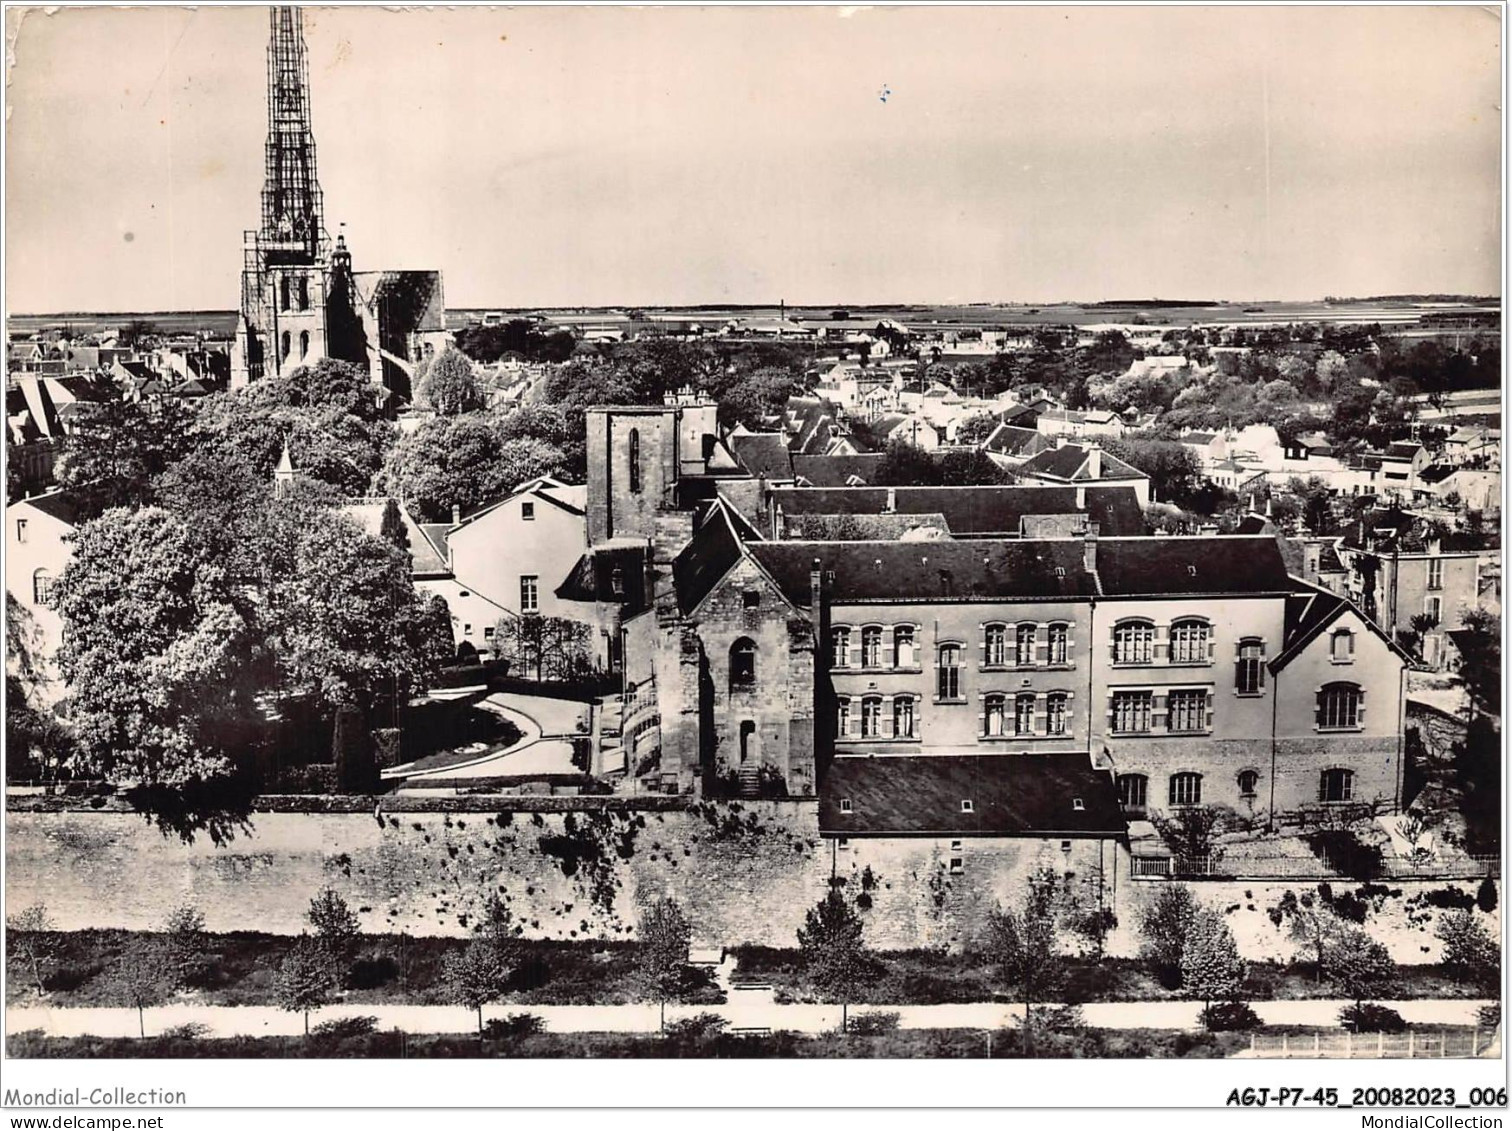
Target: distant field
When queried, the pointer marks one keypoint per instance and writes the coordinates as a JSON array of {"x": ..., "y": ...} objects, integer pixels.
[{"x": 1385, "y": 311}]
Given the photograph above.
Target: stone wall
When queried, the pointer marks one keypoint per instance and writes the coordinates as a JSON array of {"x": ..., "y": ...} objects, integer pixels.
[{"x": 744, "y": 872}]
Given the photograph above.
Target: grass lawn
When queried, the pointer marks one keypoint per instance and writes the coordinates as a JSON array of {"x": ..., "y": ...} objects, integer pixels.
[
  {"x": 239, "y": 969},
  {"x": 927, "y": 976},
  {"x": 936, "y": 1043},
  {"x": 436, "y": 731}
]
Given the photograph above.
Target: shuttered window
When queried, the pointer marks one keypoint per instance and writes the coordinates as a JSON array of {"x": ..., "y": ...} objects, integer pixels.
[
  {"x": 1056, "y": 712},
  {"x": 1023, "y": 715},
  {"x": 1249, "y": 667},
  {"x": 904, "y": 717},
  {"x": 995, "y": 645},
  {"x": 1023, "y": 645},
  {"x": 1133, "y": 643},
  {"x": 993, "y": 709},
  {"x": 1058, "y": 651},
  {"x": 948, "y": 671},
  {"x": 1131, "y": 712},
  {"x": 840, "y": 648}
]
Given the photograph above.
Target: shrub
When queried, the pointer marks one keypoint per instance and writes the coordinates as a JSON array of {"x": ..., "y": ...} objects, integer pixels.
[
  {"x": 1470, "y": 953},
  {"x": 871, "y": 1024},
  {"x": 1489, "y": 1016},
  {"x": 1371, "y": 1018},
  {"x": 696, "y": 1028},
  {"x": 372, "y": 970},
  {"x": 514, "y": 1026},
  {"x": 1485, "y": 895},
  {"x": 343, "y": 1028},
  {"x": 1164, "y": 923},
  {"x": 1223, "y": 1016},
  {"x": 1350, "y": 907},
  {"x": 1344, "y": 850},
  {"x": 189, "y": 1031},
  {"x": 1449, "y": 899}
]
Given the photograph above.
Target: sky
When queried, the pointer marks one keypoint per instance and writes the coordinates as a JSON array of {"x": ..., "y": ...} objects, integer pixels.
[{"x": 607, "y": 156}]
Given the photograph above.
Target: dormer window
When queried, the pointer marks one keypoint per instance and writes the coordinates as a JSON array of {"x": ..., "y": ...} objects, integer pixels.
[
  {"x": 1341, "y": 646},
  {"x": 967, "y": 806},
  {"x": 845, "y": 805},
  {"x": 527, "y": 512}
]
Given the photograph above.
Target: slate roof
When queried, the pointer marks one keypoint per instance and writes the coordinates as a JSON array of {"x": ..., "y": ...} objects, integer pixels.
[
  {"x": 1011, "y": 795},
  {"x": 1403, "y": 449},
  {"x": 1066, "y": 462},
  {"x": 862, "y": 527},
  {"x": 61, "y": 505},
  {"x": 928, "y": 571},
  {"x": 1202, "y": 439},
  {"x": 425, "y": 561},
  {"x": 975, "y": 511},
  {"x": 709, "y": 555},
  {"x": 1010, "y": 440},
  {"x": 1208, "y": 564},
  {"x": 1310, "y": 610},
  {"x": 836, "y": 471},
  {"x": 592, "y": 578},
  {"x": 1435, "y": 474},
  {"x": 762, "y": 453}
]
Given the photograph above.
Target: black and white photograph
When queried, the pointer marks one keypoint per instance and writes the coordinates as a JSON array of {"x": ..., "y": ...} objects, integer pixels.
[{"x": 896, "y": 534}]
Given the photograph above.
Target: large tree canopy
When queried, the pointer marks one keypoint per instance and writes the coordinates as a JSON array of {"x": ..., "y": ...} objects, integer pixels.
[{"x": 463, "y": 462}]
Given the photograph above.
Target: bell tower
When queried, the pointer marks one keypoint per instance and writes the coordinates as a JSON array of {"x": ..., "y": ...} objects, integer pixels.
[{"x": 287, "y": 262}]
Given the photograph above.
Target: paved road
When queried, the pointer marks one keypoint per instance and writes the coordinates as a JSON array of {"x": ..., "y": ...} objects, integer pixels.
[{"x": 759, "y": 1013}]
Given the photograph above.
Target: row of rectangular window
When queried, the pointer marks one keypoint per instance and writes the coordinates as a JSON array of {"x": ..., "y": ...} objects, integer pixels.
[
  {"x": 897, "y": 716},
  {"x": 1185, "y": 788},
  {"x": 1338, "y": 706}
]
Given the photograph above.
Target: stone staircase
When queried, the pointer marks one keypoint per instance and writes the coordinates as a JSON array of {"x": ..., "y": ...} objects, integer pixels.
[
  {"x": 610, "y": 758},
  {"x": 749, "y": 777}
]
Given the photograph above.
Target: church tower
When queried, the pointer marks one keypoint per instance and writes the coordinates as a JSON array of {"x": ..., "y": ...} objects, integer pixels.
[{"x": 288, "y": 274}]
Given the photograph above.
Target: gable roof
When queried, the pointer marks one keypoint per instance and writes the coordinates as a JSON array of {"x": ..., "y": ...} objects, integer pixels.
[
  {"x": 1010, "y": 795},
  {"x": 1011, "y": 440},
  {"x": 425, "y": 561},
  {"x": 762, "y": 453},
  {"x": 1201, "y": 439},
  {"x": 710, "y": 554},
  {"x": 61, "y": 505},
  {"x": 836, "y": 471},
  {"x": 1309, "y": 611},
  {"x": 1068, "y": 462}
]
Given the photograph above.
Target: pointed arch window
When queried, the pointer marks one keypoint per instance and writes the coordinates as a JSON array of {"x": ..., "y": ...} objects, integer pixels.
[
  {"x": 635, "y": 461},
  {"x": 743, "y": 662}
]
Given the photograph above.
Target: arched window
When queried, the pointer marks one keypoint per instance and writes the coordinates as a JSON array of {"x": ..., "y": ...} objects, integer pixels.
[
  {"x": 284, "y": 356},
  {"x": 1249, "y": 667},
  {"x": 1336, "y": 785},
  {"x": 1186, "y": 789},
  {"x": 839, "y": 647},
  {"x": 1132, "y": 790},
  {"x": 993, "y": 709},
  {"x": 1339, "y": 706},
  {"x": 1059, "y": 643},
  {"x": 871, "y": 647},
  {"x": 871, "y": 716},
  {"x": 995, "y": 645},
  {"x": 1057, "y": 705},
  {"x": 635, "y": 461},
  {"x": 283, "y": 292},
  {"x": 1133, "y": 642},
  {"x": 42, "y": 586},
  {"x": 1341, "y": 646},
  {"x": 1189, "y": 641},
  {"x": 743, "y": 662},
  {"x": 904, "y": 717},
  {"x": 304, "y": 344},
  {"x": 1023, "y": 714},
  {"x": 1023, "y": 645},
  {"x": 903, "y": 647},
  {"x": 304, "y": 292},
  {"x": 1249, "y": 783},
  {"x": 949, "y": 672}
]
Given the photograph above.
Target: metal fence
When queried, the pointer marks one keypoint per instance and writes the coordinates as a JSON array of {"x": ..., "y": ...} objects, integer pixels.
[
  {"x": 1461, "y": 1043},
  {"x": 1309, "y": 868}
]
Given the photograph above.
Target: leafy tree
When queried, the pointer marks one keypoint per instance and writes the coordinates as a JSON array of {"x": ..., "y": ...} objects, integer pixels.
[
  {"x": 31, "y": 939},
  {"x": 906, "y": 465},
  {"x": 336, "y": 926},
  {"x": 476, "y": 975},
  {"x": 145, "y": 975},
  {"x": 835, "y": 958},
  {"x": 968, "y": 468},
  {"x": 37, "y": 742},
  {"x": 150, "y": 625},
  {"x": 662, "y": 956},
  {"x": 450, "y": 386},
  {"x": 752, "y": 397},
  {"x": 1314, "y": 927},
  {"x": 977, "y": 429},
  {"x": 1021, "y": 943},
  {"x": 461, "y": 462},
  {"x": 560, "y": 426},
  {"x": 1470, "y": 952},
  {"x": 1175, "y": 473},
  {"x": 1164, "y": 923},
  {"x": 520, "y": 336},
  {"x": 307, "y": 978},
  {"x": 116, "y": 448},
  {"x": 496, "y": 922},
  {"x": 1480, "y": 659},
  {"x": 1359, "y": 965},
  {"x": 184, "y": 931},
  {"x": 391, "y": 527},
  {"x": 1211, "y": 969}
]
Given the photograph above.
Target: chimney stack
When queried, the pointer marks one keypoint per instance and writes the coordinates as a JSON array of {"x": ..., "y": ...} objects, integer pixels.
[
  {"x": 1094, "y": 460},
  {"x": 816, "y": 587},
  {"x": 892, "y": 501},
  {"x": 1089, "y": 548},
  {"x": 1081, "y": 498},
  {"x": 456, "y": 514}
]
